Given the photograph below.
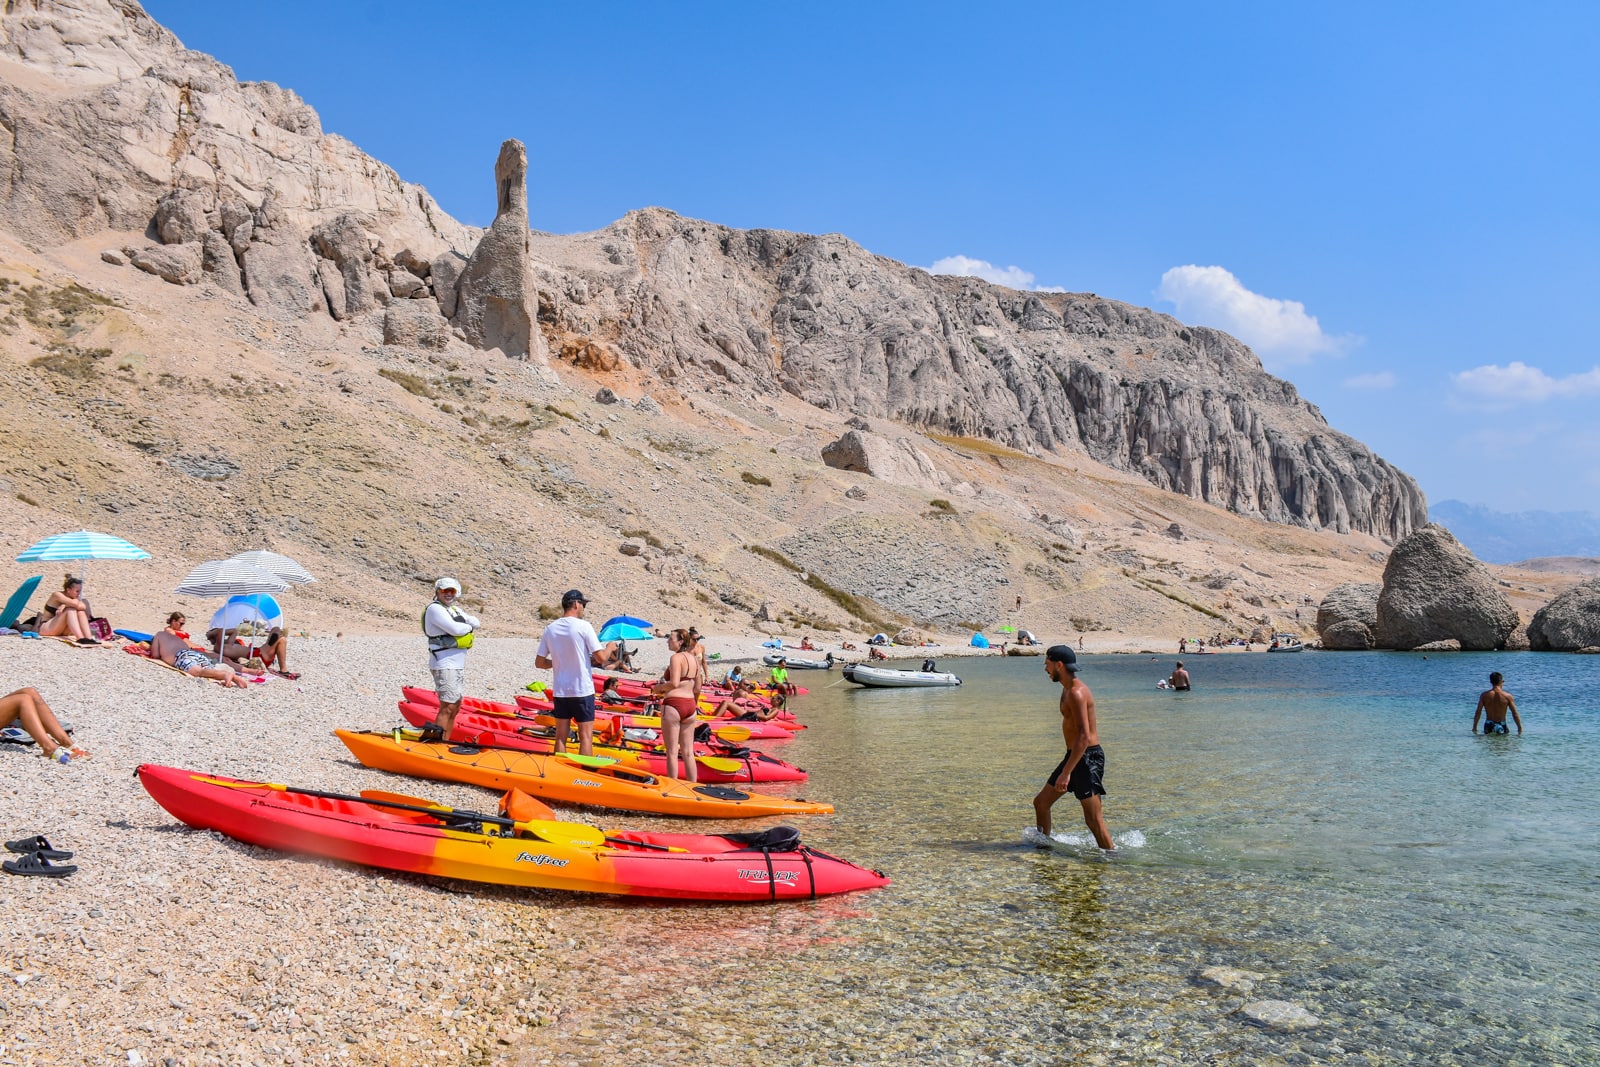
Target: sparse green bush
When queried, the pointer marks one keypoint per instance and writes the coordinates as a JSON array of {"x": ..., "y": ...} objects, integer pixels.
[
  {"x": 942, "y": 505},
  {"x": 409, "y": 382},
  {"x": 28, "y": 500},
  {"x": 552, "y": 409},
  {"x": 548, "y": 611},
  {"x": 647, "y": 537},
  {"x": 754, "y": 479}
]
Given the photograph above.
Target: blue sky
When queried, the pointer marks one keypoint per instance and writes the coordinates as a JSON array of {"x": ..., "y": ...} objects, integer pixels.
[{"x": 1395, "y": 204}]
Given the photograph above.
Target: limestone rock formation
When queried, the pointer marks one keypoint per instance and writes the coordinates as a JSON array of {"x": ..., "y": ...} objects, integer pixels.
[
  {"x": 1190, "y": 409},
  {"x": 1348, "y": 615},
  {"x": 415, "y": 324},
  {"x": 1434, "y": 589},
  {"x": 1569, "y": 622},
  {"x": 898, "y": 461},
  {"x": 496, "y": 303},
  {"x": 178, "y": 264},
  {"x": 350, "y": 278},
  {"x": 279, "y": 269}
]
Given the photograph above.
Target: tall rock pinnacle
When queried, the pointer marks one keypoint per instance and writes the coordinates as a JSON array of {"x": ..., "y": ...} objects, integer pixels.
[{"x": 496, "y": 303}]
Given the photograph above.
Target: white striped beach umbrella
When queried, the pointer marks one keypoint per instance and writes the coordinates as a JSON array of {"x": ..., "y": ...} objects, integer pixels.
[
  {"x": 275, "y": 563},
  {"x": 81, "y": 544},
  {"x": 229, "y": 577}
]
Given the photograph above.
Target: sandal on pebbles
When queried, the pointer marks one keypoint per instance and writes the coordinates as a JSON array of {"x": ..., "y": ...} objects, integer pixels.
[
  {"x": 37, "y": 843},
  {"x": 37, "y": 866}
]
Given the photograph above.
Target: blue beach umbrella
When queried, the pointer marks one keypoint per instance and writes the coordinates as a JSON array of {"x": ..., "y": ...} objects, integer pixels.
[
  {"x": 257, "y": 608},
  {"x": 622, "y": 631},
  {"x": 630, "y": 620}
]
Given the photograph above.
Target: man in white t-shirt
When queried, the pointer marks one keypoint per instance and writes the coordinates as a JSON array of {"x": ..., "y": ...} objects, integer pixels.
[
  {"x": 445, "y": 624},
  {"x": 569, "y": 648}
]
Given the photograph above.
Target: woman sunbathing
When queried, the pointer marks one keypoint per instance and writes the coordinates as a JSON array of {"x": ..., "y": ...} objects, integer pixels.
[
  {"x": 171, "y": 648},
  {"x": 67, "y": 614},
  {"x": 28, "y": 707}
]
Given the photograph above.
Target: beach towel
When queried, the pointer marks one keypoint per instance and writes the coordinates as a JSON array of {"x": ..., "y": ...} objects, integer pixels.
[{"x": 19, "y": 601}]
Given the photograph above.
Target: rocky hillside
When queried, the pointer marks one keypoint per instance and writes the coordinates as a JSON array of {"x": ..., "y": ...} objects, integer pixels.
[
  {"x": 1189, "y": 409},
  {"x": 224, "y": 329},
  {"x": 115, "y": 126}
]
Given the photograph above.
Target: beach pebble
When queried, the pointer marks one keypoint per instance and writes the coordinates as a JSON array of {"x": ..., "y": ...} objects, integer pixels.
[
  {"x": 1230, "y": 978},
  {"x": 1281, "y": 1015}
]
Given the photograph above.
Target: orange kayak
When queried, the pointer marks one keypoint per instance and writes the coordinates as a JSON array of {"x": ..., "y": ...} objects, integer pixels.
[{"x": 560, "y": 779}]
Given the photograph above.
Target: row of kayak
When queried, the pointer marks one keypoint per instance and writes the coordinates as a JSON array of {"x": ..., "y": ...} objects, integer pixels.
[{"x": 508, "y": 748}]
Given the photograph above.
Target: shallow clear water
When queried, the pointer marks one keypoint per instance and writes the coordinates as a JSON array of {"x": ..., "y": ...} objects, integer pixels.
[{"x": 1323, "y": 819}]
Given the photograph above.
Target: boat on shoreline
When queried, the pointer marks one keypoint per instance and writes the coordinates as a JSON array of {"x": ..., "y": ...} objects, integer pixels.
[
  {"x": 796, "y": 664},
  {"x": 1286, "y": 643},
  {"x": 885, "y": 678}
]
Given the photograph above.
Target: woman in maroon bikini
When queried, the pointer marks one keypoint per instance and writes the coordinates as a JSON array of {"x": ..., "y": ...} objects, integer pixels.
[{"x": 679, "y": 692}]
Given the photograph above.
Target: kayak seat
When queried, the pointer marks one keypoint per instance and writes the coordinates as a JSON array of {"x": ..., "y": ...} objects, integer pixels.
[
  {"x": 774, "y": 839},
  {"x": 721, "y": 792}
]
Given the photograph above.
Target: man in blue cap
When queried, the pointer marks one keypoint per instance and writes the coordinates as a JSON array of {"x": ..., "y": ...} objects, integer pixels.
[{"x": 1082, "y": 769}]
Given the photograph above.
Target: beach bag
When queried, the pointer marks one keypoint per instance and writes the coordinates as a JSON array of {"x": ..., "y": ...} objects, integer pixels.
[{"x": 100, "y": 629}]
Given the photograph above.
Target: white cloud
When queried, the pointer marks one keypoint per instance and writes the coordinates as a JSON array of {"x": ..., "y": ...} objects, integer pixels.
[
  {"x": 1278, "y": 330},
  {"x": 1497, "y": 387},
  {"x": 1383, "y": 379},
  {"x": 1010, "y": 277}
]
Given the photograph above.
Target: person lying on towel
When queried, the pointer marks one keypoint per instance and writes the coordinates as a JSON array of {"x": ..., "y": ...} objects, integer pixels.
[{"x": 170, "y": 648}]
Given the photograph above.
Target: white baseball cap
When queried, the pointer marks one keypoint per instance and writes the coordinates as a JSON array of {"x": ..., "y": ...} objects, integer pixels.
[{"x": 446, "y": 583}]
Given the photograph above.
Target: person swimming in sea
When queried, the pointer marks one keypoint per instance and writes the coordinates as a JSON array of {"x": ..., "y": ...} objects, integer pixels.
[{"x": 1493, "y": 703}]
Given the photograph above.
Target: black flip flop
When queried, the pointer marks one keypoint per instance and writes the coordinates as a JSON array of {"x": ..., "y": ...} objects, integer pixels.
[
  {"x": 37, "y": 866},
  {"x": 38, "y": 844}
]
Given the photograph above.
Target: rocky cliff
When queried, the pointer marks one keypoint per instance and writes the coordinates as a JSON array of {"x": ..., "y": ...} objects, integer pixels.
[
  {"x": 108, "y": 123},
  {"x": 1189, "y": 409}
]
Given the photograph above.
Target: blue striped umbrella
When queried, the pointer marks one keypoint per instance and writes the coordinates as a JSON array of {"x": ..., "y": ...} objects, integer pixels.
[{"x": 81, "y": 544}]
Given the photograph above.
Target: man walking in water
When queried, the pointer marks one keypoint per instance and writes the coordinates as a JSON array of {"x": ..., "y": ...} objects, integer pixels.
[
  {"x": 1179, "y": 679},
  {"x": 1084, "y": 766},
  {"x": 1493, "y": 703}
]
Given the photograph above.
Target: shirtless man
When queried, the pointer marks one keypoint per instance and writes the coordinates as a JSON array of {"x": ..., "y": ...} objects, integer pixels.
[
  {"x": 1493, "y": 704},
  {"x": 173, "y": 650},
  {"x": 1084, "y": 765},
  {"x": 1180, "y": 677}
]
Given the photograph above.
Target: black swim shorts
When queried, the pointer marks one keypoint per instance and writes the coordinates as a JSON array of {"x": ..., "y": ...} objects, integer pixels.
[
  {"x": 1492, "y": 727},
  {"x": 1087, "y": 777},
  {"x": 578, "y": 709}
]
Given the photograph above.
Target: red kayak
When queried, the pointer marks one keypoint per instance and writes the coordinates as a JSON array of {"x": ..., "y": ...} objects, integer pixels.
[
  {"x": 400, "y": 833},
  {"x": 542, "y": 705},
  {"x": 528, "y": 707},
  {"x": 633, "y": 686},
  {"x": 724, "y": 763}
]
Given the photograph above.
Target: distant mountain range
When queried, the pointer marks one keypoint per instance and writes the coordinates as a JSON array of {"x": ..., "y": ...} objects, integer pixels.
[{"x": 1511, "y": 537}]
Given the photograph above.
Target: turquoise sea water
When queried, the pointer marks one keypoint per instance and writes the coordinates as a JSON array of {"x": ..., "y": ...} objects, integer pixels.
[{"x": 1325, "y": 820}]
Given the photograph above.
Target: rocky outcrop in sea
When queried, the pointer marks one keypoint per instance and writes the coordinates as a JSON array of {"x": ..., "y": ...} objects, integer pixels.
[
  {"x": 1348, "y": 616},
  {"x": 1569, "y": 622},
  {"x": 1434, "y": 589}
]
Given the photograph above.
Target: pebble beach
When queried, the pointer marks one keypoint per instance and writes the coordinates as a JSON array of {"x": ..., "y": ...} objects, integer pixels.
[{"x": 171, "y": 945}]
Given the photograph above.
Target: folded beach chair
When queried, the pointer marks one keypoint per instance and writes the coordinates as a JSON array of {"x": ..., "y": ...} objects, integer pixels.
[{"x": 19, "y": 602}]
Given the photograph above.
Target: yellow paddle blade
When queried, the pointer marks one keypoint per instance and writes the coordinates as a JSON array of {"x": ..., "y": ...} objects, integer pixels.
[
  {"x": 588, "y": 761},
  {"x": 732, "y": 733},
  {"x": 720, "y": 763},
  {"x": 279, "y": 786},
  {"x": 564, "y": 833}
]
